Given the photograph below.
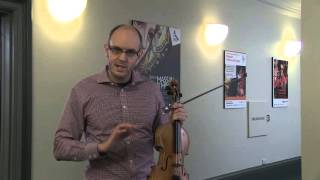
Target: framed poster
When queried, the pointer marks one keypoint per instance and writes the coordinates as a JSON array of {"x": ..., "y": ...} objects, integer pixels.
[
  {"x": 279, "y": 83},
  {"x": 160, "y": 61},
  {"x": 235, "y": 79}
]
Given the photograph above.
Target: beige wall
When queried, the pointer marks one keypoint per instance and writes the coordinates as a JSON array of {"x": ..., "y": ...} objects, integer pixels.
[
  {"x": 65, "y": 53},
  {"x": 310, "y": 65}
]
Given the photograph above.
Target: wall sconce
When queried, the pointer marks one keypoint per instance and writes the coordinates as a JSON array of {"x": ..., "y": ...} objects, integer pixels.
[
  {"x": 292, "y": 48},
  {"x": 66, "y": 10},
  {"x": 216, "y": 33}
]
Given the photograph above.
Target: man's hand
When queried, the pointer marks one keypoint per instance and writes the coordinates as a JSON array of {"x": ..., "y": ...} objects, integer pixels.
[
  {"x": 178, "y": 112},
  {"x": 120, "y": 131}
]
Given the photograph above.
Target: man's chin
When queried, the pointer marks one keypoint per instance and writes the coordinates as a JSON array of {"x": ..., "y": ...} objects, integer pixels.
[{"x": 120, "y": 76}]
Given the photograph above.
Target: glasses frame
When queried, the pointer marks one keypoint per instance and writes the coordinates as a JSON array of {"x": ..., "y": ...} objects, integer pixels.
[{"x": 117, "y": 51}]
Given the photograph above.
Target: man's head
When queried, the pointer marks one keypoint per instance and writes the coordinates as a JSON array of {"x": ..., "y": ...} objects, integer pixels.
[{"x": 123, "y": 50}]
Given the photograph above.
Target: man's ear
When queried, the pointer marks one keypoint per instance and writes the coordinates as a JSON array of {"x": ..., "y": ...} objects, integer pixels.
[
  {"x": 140, "y": 55},
  {"x": 106, "y": 52}
]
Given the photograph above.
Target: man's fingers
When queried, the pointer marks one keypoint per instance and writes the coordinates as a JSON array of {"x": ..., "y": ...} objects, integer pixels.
[
  {"x": 177, "y": 105},
  {"x": 179, "y": 110},
  {"x": 126, "y": 126},
  {"x": 178, "y": 113},
  {"x": 121, "y": 131},
  {"x": 180, "y": 117}
]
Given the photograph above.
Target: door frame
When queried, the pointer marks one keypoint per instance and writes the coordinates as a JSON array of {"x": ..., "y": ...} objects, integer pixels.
[{"x": 16, "y": 91}]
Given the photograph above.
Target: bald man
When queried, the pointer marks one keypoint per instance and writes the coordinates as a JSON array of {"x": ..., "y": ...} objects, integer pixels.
[{"x": 116, "y": 111}]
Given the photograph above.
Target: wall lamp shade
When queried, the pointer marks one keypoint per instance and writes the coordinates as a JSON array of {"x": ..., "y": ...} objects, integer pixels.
[
  {"x": 216, "y": 33},
  {"x": 292, "y": 48},
  {"x": 66, "y": 10}
]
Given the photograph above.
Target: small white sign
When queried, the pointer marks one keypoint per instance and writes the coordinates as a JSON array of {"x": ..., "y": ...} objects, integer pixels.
[
  {"x": 235, "y": 104},
  {"x": 175, "y": 36},
  {"x": 235, "y": 58},
  {"x": 280, "y": 102},
  {"x": 258, "y": 118}
]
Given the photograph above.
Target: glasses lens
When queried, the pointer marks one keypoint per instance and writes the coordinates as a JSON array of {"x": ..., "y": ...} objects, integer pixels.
[
  {"x": 118, "y": 51},
  {"x": 131, "y": 53}
]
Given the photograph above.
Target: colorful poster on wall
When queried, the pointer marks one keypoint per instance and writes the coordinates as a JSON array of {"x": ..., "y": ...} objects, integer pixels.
[
  {"x": 235, "y": 79},
  {"x": 161, "y": 53},
  {"x": 279, "y": 83}
]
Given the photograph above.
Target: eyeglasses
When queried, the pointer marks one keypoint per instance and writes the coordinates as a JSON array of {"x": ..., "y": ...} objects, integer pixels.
[{"x": 117, "y": 51}]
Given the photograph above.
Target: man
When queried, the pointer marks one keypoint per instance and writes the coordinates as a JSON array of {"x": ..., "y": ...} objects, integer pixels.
[{"x": 118, "y": 112}]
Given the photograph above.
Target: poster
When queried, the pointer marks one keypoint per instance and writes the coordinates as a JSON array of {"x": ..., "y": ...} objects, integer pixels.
[
  {"x": 160, "y": 61},
  {"x": 279, "y": 83},
  {"x": 235, "y": 79}
]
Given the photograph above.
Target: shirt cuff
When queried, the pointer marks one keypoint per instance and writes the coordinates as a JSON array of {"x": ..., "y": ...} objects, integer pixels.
[{"x": 92, "y": 150}]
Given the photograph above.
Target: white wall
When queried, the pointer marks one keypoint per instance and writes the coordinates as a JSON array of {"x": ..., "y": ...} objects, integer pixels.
[
  {"x": 310, "y": 66},
  {"x": 65, "y": 53}
]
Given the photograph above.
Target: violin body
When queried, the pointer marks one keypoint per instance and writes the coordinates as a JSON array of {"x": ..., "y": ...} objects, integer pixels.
[{"x": 170, "y": 163}]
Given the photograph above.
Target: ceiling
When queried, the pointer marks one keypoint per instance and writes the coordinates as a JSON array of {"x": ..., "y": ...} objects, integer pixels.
[{"x": 290, "y": 8}]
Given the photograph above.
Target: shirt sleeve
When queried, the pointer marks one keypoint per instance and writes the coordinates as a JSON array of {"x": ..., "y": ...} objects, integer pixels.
[
  {"x": 162, "y": 116},
  {"x": 67, "y": 141}
]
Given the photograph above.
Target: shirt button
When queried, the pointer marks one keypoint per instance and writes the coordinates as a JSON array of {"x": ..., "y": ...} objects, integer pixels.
[
  {"x": 128, "y": 142},
  {"x": 124, "y": 106}
]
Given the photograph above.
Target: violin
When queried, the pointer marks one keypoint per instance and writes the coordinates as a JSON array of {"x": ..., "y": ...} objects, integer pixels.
[{"x": 172, "y": 142}]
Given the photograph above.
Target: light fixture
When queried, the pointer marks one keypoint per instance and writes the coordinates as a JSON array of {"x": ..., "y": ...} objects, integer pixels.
[
  {"x": 216, "y": 33},
  {"x": 66, "y": 10},
  {"x": 292, "y": 48}
]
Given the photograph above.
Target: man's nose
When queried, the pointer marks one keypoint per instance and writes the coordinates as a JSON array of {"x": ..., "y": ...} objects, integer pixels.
[{"x": 123, "y": 56}]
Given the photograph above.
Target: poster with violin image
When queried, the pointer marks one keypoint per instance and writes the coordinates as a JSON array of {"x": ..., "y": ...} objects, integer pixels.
[
  {"x": 160, "y": 61},
  {"x": 234, "y": 79},
  {"x": 279, "y": 83}
]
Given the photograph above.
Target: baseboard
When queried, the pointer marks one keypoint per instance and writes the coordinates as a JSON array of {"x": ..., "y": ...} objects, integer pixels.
[{"x": 286, "y": 169}]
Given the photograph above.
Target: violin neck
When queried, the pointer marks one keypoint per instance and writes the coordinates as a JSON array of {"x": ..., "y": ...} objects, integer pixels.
[{"x": 177, "y": 129}]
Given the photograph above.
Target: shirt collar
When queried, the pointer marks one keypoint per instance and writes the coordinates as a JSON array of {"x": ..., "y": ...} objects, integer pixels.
[{"x": 102, "y": 77}]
